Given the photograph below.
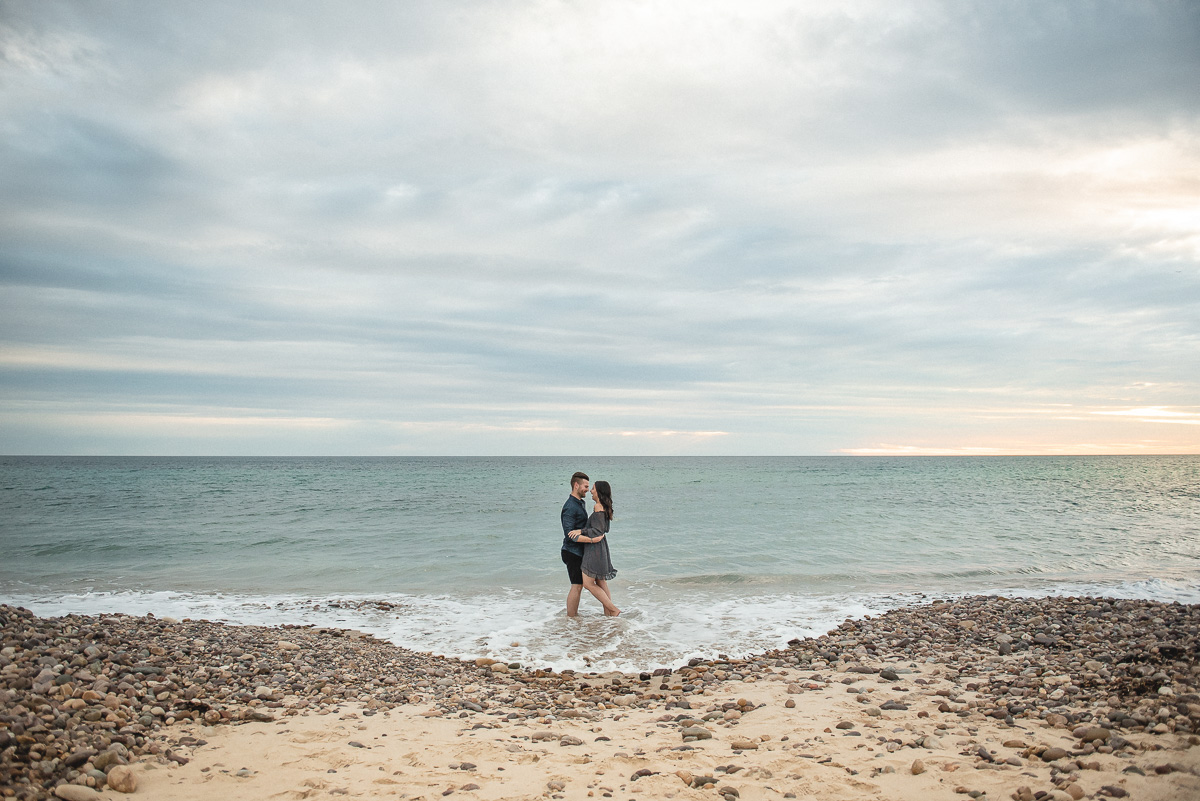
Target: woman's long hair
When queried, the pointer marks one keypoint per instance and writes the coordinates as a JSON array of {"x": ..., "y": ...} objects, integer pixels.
[{"x": 604, "y": 493}]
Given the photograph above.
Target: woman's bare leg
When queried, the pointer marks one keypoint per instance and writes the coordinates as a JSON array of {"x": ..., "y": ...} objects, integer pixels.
[
  {"x": 603, "y": 584},
  {"x": 591, "y": 586}
]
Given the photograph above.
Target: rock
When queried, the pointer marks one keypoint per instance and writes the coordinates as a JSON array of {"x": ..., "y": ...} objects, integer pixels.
[
  {"x": 1074, "y": 791},
  {"x": 918, "y": 767},
  {"x": 1113, "y": 791},
  {"x": 568, "y": 739},
  {"x": 844, "y": 724},
  {"x": 1091, "y": 733},
  {"x": 122, "y": 779},
  {"x": 790, "y": 703},
  {"x": 284, "y": 645},
  {"x": 889, "y": 674},
  {"x": 77, "y": 758},
  {"x": 264, "y": 693},
  {"x": 556, "y": 786},
  {"x": 1054, "y": 754},
  {"x": 696, "y": 733},
  {"x": 743, "y": 745},
  {"x": 106, "y": 760},
  {"x": 76, "y": 792}
]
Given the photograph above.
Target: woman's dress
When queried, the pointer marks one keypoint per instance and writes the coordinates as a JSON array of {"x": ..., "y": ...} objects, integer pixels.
[{"x": 596, "y": 561}]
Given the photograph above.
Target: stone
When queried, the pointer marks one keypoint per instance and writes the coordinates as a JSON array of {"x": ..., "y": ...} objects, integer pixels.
[
  {"x": 1054, "y": 754},
  {"x": 568, "y": 739},
  {"x": 1091, "y": 733},
  {"x": 697, "y": 733},
  {"x": 76, "y": 792},
  {"x": 122, "y": 779},
  {"x": 743, "y": 745},
  {"x": 284, "y": 645},
  {"x": 917, "y": 768},
  {"x": 1075, "y": 791}
]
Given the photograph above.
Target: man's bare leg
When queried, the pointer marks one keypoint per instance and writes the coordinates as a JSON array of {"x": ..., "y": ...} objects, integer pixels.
[{"x": 573, "y": 600}]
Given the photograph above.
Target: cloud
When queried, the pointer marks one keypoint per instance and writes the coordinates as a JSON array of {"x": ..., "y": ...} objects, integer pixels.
[{"x": 801, "y": 226}]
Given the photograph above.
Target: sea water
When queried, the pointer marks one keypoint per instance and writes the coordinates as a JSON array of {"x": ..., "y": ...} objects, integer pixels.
[{"x": 460, "y": 556}]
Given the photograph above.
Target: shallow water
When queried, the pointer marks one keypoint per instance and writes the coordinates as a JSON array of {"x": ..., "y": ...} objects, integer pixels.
[{"x": 726, "y": 555}]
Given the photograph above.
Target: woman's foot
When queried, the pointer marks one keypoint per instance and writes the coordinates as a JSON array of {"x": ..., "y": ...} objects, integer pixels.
[{"x": 614, "y": 613}]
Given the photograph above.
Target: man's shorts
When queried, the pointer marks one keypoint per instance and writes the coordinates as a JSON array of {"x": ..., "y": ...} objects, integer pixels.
[{"x": 574, "y": 566}]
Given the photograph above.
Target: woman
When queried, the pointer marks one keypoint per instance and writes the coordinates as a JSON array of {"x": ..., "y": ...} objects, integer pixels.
[{"x": 597, "y": 566}]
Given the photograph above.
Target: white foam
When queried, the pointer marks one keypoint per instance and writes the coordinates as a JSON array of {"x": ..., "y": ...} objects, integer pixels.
[{"x": 661, "y": 626}]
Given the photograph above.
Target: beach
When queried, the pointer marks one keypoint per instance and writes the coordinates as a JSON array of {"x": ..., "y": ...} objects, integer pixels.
[{"x": 980, "y": 696}]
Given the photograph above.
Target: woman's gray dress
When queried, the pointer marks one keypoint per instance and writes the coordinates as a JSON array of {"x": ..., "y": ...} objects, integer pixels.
[{"x": 596, "y": 562}]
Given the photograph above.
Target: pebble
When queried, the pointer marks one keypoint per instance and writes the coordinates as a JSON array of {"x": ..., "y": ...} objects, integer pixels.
[
  {"x": 75, "y": 792},
  {"x": 122, "y": 779},
  {"x": 1089, "y": 666}
]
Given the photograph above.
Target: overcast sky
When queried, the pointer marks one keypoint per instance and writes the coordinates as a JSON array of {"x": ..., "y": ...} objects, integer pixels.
[{"x": 599, "y": 227}]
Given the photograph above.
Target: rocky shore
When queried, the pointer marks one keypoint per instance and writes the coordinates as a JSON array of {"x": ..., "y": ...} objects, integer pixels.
[{"x": 86, "y": 700}]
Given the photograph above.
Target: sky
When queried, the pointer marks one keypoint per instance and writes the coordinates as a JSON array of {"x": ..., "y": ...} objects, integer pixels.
[{"x": 599, "y": 228}]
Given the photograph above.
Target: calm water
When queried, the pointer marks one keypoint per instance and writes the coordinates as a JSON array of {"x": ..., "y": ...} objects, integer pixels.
[{"x": 715, "y": 554}]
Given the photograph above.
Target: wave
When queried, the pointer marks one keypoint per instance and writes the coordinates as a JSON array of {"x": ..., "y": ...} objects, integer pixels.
[{"x": 662, "y": 627}]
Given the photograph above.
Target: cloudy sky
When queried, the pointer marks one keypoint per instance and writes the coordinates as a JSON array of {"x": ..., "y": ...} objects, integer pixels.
[{"x": 599, "y": 227}]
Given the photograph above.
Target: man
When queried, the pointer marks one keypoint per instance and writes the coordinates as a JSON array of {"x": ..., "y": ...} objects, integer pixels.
[{"x": 574, "y": 516}]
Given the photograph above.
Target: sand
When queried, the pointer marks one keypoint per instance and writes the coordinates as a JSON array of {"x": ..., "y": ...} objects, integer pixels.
[{"x": 797, "y": 752}]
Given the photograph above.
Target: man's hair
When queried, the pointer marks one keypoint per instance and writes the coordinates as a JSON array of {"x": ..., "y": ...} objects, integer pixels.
[{"x": 575, "y": 479}]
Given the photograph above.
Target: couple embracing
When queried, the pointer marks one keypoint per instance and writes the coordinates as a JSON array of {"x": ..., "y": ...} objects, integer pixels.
[{"x": 585, "y": 546}]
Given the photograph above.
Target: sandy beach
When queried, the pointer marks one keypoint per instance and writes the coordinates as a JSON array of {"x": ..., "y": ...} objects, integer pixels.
[{"x": 1060, "y": 698}]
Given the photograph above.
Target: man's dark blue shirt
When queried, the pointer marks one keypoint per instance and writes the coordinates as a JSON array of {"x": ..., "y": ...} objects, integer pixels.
[{"x": 574, "y": 515}]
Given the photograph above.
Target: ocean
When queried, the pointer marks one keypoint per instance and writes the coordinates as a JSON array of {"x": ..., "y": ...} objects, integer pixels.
[{"x": 460, "y": 556}]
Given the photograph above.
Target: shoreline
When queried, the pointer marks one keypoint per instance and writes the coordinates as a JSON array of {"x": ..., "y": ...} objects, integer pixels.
[{"x": 955, "y": 685}]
